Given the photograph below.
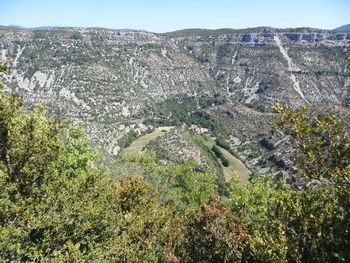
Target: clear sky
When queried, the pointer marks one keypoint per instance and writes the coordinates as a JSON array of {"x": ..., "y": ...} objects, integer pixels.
[{"x": 164, "y": 16}]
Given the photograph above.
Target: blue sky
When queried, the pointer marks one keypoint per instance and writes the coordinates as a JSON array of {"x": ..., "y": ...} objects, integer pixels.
[{"x": 164, "y": 16}]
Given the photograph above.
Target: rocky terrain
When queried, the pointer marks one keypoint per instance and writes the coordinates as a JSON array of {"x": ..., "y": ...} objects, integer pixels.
[{"x": 110, "y": 79}]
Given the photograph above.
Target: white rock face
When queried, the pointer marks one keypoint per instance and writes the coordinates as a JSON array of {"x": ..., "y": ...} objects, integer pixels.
[
  {"x": 237, "y": 80},
  {"x": 41, "y": 78},
  {"x": 125, "y": 112},
  {"x": 106, "y": 78},
  {"x": 3, "y": 55}
]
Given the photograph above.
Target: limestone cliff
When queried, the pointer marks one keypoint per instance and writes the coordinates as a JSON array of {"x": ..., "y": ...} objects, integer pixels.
[{"x": 106, "y": 78}]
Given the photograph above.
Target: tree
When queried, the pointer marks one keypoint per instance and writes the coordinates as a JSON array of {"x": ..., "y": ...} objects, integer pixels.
[
  {"x": 57, "y": 203},
  {"x": 288, "y": 225},
  {"x": 214, "y": 234},
  {"x": 217, "y": 152},
  {"x": 148, "y": 231},
  {"x": 309, "y": 224},
  {"x": 3, "y": 67},
  {"x": 53, "y": 194},
  {"x": 323, "y": 150},
  {"x": 265, "y": 239},
  {"x": 347, "y": 56},
  {"x": 321, "y": 140},
  {"x": 182, "y": 185},
  {"x": 225, "y": 162}
]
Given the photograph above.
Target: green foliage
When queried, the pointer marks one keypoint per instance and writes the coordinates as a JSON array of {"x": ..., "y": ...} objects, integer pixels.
[
  {"x": 322, "y": 142},
  {"x": 150, "y": 232},
  {"x": 199, "y": 140},
  {"x": 3, "y": 68},
  {"x": 287, "y": 225},
  {"x": 185, "y": 110},
  {"x": 347, "y": 56},
  {"x": 128, "y": 138},
  {"x": 217, "y": 152},
  {"x": 267, "y": 83},
  {"x": 51, "y": 198},
  {"x": 214, "y": 234},
  {"x": 321, "y": 214},
  {"x": 219, "y": 155},
  {"x": 183, "y": 185},
  {"x": 220, "y": 141},
  {"x": 220, "y": 181},
  {"x": 131, "y": 136},
  {"x": 217, "y": 32},
  {"x": 265, "y": 237},
  {"x": 305, "y": 225},
  {"x": 225, "y": 162},
  {"x": 57, "y": 205}
]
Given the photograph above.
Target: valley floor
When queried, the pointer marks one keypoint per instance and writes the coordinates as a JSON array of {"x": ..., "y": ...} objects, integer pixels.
[{"x": 236, "y": 166}]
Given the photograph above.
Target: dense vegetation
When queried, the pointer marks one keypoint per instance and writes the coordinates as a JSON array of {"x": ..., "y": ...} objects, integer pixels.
[
  {"x": 175, "y": 112},
  {"x": 219, "y": 155},
  {"x": 58, "y": 204},
  {"x": 131, "y": 136}
]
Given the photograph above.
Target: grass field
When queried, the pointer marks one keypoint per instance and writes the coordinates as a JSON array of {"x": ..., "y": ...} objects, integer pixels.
[
  {"x": 137, "y": 145},
  {"x": 236, "y": 165}
]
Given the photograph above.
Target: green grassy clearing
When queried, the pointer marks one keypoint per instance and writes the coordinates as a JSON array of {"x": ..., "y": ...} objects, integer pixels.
[
  {"x": 137, "y": 145},
  {"x": 236, "y": 165}
]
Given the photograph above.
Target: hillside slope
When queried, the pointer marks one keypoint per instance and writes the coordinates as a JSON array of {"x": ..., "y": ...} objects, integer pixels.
[{"x": 109, "y": 79}]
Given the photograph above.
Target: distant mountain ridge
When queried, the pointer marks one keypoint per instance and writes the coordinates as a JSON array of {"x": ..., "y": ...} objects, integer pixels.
[
  {"x": 203, "y": 31},
  {"x": 223, "y": 31},
  {"x": 343, "y": 28},
  {"x": 54, "y": 27},
  {"x": 34, "y": 28}
]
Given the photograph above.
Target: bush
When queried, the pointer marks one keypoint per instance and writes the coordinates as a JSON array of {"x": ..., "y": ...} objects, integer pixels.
[
  {"x": 217, "y": 152},
  {"x": 220, "y": 155},
  {"x": 225, "y": 162},
  {"x": 220, "y": 141}
]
